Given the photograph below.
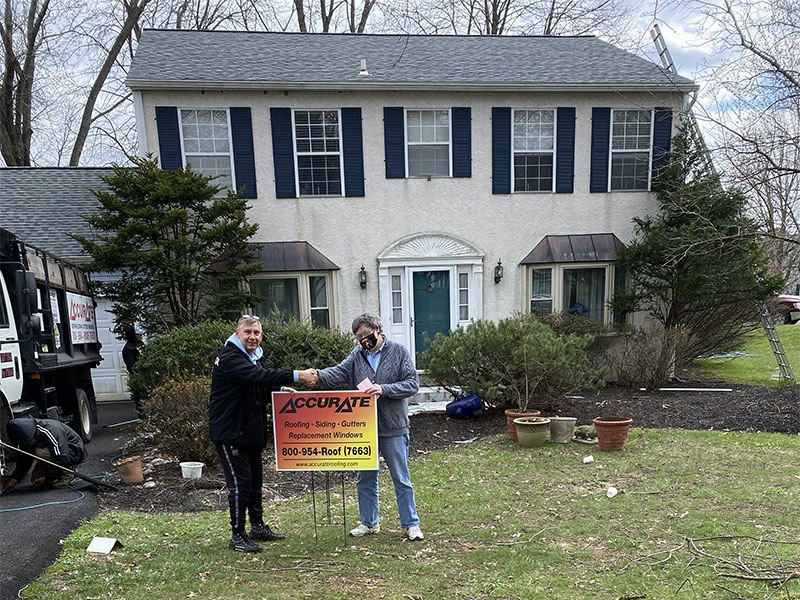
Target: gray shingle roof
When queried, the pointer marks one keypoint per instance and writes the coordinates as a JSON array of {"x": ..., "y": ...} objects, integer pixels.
[
  {"x": 42, "y": 205},
  {"x": 236, "y": 59}
]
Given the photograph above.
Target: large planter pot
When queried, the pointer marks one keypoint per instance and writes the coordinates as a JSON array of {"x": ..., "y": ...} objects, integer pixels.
[
  {"x": 129, "y": 469},
  {"x": 514, "y": 413},
  {"x": 611, "y": 432},
  {"x": 532, "y": 432},
  {"x": 561, "y": 429}
]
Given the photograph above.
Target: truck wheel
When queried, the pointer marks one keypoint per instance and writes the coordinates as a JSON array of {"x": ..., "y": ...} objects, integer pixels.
[{"x": 82, "y": 423}]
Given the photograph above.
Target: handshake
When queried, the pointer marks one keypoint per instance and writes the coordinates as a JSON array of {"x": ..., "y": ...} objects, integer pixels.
[{"x": 308, "y": 376}]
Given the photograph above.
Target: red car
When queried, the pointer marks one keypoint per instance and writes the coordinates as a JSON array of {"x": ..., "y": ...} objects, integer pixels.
[{"x": 789, "y": 306}]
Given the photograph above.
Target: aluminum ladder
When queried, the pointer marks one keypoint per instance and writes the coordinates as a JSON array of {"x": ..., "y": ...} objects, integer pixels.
[{"x": 784, "y": 368}]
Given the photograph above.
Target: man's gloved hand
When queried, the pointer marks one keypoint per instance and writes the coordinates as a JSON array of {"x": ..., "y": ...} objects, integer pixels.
[
  {"x": 10, "y": 485},
  {"x": 39, "y": 481}
]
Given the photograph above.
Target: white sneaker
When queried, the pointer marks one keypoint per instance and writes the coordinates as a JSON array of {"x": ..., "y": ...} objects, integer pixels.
[
  {"x": 414, "y": 533},
  {"x": 364, "y": 530}
]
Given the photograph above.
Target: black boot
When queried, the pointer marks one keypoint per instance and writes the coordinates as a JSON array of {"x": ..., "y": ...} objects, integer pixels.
[
  {"x": 264, "y": 533},
  {"x": 241, "y": 543}
]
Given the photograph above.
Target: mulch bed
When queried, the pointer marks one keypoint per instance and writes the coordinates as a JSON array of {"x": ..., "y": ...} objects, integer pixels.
[{"x": 746, "y": 408}]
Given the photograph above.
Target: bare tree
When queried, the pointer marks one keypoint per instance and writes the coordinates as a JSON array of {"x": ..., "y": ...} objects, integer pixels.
[
  {"x": 21, "y": 40},
  {"x": 754, "y": 112}
]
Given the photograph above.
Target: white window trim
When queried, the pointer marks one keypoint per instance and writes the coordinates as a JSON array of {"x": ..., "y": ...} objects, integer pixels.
[
  {"x": 406, "y": 143},
  {"x": 340, "y": 154},
  {"x": 304, "y": 291},
  {"x": 555, "y": 145},
  {"x": 611, "y": 151},
  {"x": 557, "y": 284},
  {"x": 230, "y": 141}
]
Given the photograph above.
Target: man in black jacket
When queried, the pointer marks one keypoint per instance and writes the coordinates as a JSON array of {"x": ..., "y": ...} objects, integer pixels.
[
  {"x": 237, "y": 412},
  {"x": 48, "y": 439}
]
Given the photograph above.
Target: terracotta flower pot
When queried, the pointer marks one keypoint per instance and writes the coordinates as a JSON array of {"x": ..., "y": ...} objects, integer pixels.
[
  {"x": 611, "y": 432},
  {"x": 532, "y": 432},
  {"x": 129, "y": 469},
  {"x": 514, "y": 413}
]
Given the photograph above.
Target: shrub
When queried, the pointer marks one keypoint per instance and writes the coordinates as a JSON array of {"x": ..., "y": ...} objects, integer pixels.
[
  {"x": 189, "y": 352},
  {"x": 178, "y": 419},
  {"x": 510, "y": 362},
  {"x": 648, "y": 356}
]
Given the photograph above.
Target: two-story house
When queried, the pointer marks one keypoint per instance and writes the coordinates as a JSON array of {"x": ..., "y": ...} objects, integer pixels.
[{"x": 436, "y": 180}]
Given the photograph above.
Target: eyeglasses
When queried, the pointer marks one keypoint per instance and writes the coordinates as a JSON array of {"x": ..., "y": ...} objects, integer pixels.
[
  {"x": 250, "y": 317},
  {"x": 364, "y": 335}
]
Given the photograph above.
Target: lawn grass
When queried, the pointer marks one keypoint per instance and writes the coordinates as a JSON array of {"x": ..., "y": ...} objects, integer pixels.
[
  {"x": 500, "y": 521},
  {"x": 755, "y": 370}
]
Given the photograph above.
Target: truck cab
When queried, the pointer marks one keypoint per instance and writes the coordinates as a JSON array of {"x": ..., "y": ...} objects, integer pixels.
[{"x": 48, "y": 337}]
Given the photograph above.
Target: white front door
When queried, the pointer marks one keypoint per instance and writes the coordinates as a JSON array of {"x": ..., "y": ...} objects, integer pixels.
[{"x": 110, "y": 377}]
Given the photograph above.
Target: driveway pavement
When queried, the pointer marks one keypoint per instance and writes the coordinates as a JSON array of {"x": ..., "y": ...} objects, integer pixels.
[{"x": 30, "y": 539}]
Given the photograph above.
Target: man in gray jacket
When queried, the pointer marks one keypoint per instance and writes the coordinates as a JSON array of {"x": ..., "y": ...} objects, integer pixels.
[{"x": 388, "y": 366}]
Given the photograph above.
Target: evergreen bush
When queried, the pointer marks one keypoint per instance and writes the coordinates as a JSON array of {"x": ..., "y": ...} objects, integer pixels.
[
  {"x": 188, "y": 352},
  {"x": 510, "y": 362},
  {"x": 178, "y": 419}
]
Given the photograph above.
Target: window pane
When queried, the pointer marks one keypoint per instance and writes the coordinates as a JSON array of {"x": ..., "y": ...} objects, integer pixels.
[
  {"x": 278, "y": 295},
  {"x": 584, "y": 292},
  {"x": 533, "y": 172},
  {"x": 433, "y": 160},
  {"x": 542, "y": 284},
  {"x": 319, "y": 175},
  {"x": 205, "y": 143},
  {"x": 397, "y": 300},
  {"x": 541, "y": 307},
  {"x": 630, "y": 130},
  {"x": 318, "y": 291},
  {"x": 629, "y": 170},
  {"x": 320, "y": 317}
]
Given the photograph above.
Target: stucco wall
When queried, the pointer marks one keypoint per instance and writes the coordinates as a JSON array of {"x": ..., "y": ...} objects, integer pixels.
[{"x": 352, "y": 231}]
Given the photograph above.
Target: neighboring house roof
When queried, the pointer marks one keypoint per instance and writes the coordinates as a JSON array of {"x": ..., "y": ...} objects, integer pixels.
[
  {"x": 184, "y": 59},
  {"x": 589, "y": 247},
  {"x": 42, "y": 205}
]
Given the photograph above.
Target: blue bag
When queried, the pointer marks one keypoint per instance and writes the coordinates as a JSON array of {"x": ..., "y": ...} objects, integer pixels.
[{"x": 465, "y": 407}]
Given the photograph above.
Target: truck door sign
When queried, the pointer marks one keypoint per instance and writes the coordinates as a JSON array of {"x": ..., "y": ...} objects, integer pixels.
[{"x": 81, "y": 319}]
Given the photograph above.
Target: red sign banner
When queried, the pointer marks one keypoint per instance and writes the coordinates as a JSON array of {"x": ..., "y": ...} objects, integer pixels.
[{"x": 322, "y": 430}]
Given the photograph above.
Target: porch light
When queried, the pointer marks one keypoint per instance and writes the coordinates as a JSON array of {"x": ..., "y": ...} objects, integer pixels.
[
  {"x": 362, "y": 278},
  {"x": 498, "y": 271}
]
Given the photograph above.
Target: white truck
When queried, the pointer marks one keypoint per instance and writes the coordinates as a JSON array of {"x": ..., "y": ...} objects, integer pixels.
[{"x": 48, "y": 338}]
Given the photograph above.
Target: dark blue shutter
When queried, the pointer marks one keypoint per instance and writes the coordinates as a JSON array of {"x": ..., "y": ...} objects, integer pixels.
[
  {"x": 662, "y": 139},
  {"x": 244, "y": 160},
  {"x": 462, "y": 142},
  {"x": 601, "y": 130},
  {"x": 394, "y": 141},
  {"x": 501, "y": 150},
  {"x": 353, "y": 150},
  {"x": 565, "y": 150},
  {"x": 283, "y": 152},
  {"x": 169, "y": 138}
]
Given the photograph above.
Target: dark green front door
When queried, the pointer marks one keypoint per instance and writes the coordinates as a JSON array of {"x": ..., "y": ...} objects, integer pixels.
[{"x": 431, "y": 305}]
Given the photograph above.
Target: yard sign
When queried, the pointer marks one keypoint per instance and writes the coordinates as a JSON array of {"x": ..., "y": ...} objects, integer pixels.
[{"x": 318, "y": 431}]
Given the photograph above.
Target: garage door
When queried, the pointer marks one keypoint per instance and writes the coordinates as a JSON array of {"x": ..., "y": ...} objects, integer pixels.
[{"x": 110, "y": 378}]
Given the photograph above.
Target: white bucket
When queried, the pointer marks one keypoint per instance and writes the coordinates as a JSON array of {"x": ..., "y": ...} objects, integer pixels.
[{"x": 191, "y": 470}]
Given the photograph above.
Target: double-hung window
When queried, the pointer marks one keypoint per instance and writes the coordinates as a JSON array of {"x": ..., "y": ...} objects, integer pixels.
[
  {"x": 207, "y": 144},
  {"x": 581, "y": 290},
  {"x": 428, "y": 142},
  {"x": 318, "y": 150},
  {"x": 299, "y": 295},
  {"x": 534, "y": 150},
  {"x": 631, "y": 141}
]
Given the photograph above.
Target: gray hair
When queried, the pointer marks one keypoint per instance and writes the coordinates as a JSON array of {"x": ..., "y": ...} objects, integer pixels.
[
  {"x": 370, "y": 320},
  {"x": 247, "y": 320}
]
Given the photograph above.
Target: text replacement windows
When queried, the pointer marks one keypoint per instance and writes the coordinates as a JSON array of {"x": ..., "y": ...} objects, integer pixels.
[
  {"x": 428, "y": 137},
  {"x": 206, "y": 143},
  {"x": 318, "y": 149},
  {"x": 534, "y": 145},
  {"x": 631, "y": 136}
]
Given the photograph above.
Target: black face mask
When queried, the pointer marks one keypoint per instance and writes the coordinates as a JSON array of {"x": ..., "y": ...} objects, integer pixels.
[{"x": 370, "y": 341}]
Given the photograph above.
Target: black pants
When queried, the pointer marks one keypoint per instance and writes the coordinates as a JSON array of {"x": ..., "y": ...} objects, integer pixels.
[{"x": 243, "y": 478}]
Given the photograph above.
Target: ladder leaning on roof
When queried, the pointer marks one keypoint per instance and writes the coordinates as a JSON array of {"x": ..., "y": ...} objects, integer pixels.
[{"x": 784, "y": 369}]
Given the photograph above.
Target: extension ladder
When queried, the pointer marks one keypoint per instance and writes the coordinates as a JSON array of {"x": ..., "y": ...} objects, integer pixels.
[{"x": 784, "y": 368}]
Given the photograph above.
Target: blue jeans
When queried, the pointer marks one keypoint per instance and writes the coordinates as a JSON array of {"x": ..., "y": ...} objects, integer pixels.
[{"x": 394, "y": 450}]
